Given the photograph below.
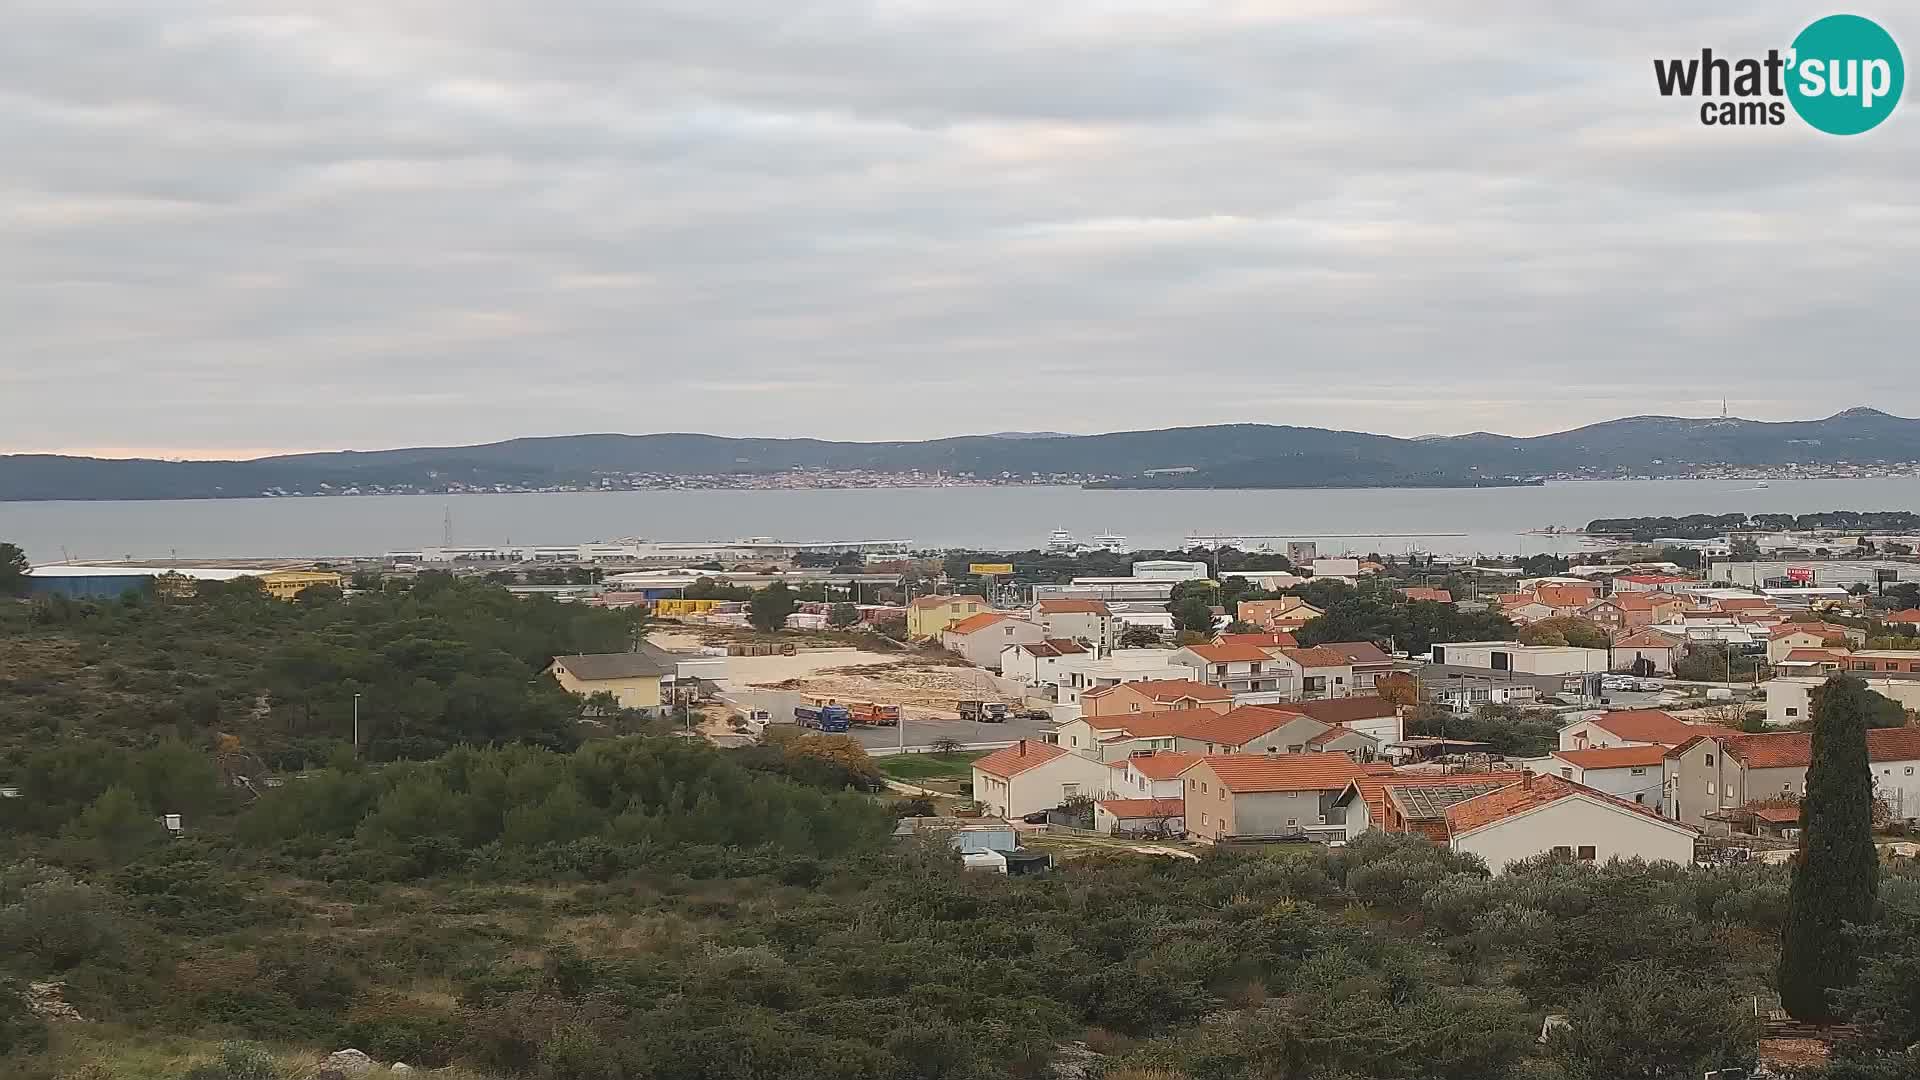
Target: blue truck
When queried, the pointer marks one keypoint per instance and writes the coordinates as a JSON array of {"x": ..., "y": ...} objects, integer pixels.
[{"x": 823, "y": 717}]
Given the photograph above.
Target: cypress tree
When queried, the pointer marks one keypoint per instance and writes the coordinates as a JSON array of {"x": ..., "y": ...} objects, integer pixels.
[{"x": 1837, "y": 871}]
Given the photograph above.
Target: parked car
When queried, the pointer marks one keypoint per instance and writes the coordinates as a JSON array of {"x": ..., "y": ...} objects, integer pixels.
[{"x": 1038, "y": 817}]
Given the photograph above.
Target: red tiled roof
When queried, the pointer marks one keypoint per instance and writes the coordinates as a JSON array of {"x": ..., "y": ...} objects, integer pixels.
[
  {"x": 973, "y": 623},
  {"x": 1054, "y": 647},
  {"x": 1167, "y": 690},
  {"x": 1316, "y": 657},
  {"x": 1245, "y": 774},
  {"x": 1794, "y": 749},
  {"x": 1812, "y": 655},
  {"x": 1566, "y": 596},
  {"x": 1654, "y": 726},
  {"x": 1440, "y": 596},
  {"x": 1778, "y": 815},
  {"x": 1144, "y": 808},
  {"x": 1152, "y": 725},
  {"x": 1641, "y": 601},
  {"x": 1647, "y": 638},
  {"x": 1530, "y": 793},
  {"x": 1614, "y": 757},
  {"x": 1239, "y": 726},
  {"x": 1823, "y": 631},
  {"x": 1338, "y": 710},
  {"x": 1073, "y": 607},
  {"x": 1013, "y": 760},
  {"x": 1259, "y": 641},
  {"x": 1161, "y": 765},
  {"x": 1908, "y": 615},
  {"x": 1336, "y": 732},
  {"x": 1743, "y": 603},
  {"x": 1357, "y": 652},
  {"x": 1374, "y": 782},
  {"x": 1228, "y": 654}
]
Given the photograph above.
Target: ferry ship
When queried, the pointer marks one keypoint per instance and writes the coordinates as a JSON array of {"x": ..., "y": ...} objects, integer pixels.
[{"x": 1061, "y": 540}]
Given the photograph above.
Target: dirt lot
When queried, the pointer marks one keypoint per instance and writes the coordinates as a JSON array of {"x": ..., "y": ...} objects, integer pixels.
[{"x": 919, "y": 688}]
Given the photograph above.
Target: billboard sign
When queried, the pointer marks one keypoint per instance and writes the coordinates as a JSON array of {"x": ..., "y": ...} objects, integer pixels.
[
  {"x": 1800, "y": 574},
  {"x": 989, "y": 569}
]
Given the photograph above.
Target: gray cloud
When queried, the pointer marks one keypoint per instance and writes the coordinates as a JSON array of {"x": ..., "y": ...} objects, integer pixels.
[{"x": 257, "y": 225}]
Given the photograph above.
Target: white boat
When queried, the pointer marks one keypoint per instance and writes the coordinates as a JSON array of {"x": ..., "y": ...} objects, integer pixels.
[
  {"x": 1061, "y": 540},
  {"x": 1111, "y": 542}
]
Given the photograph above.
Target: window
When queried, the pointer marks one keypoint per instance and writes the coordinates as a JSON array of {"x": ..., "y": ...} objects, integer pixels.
[
  {"x": 1296, "y": 748},
  {"x": 1640, "y": 771},
  {"x": 1566, "y": 774},
  {"x": 1203, "y": 819},
  {"x": 1792, "y": 711},
  {"x": 1909, "y": 770},
  {"x": 1709, "y": 759},
  {"x": 1293, "y": 822},
  {"x": 1069, "y": 790},
  {"x": 1203, "y": 788},
  {"x": 1562, "y": 849},
  {"x": 1640, "y": 798},
  {"x": 1709, "y": 787},
  {"x": 1135, "y": 707},
  {"x": 1073, "y": 740},
  {"x": 1587, "y": 854}
]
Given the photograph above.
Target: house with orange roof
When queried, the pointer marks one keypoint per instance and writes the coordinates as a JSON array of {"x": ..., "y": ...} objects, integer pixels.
[
  {"x": 1320, "y": 671},
  {"x": 1039, "y": 663},
  {"x": 1366, "y": 713},
  {"x": 1633, "y": 727},
  {"x": 1366, "y": 659},
  {"x": 1030, "y": 776},
  {"x": 1713, "y": 773},
  {"x": 1153, "y": 695},
  {"x": 1245, "y": 730},
  {"x": 1285, "y": 613},
  {"x": 1786, "y": 637},
  {"x": 1906, "y": 618},
  {"x": 1412, "y": 801},
  {"x": 1542, "y": 815},
  {"x": 1237, "y": 669},
  {"x": 927, "y": 616},
  {"x": 1528, "y": 610},
  {"x": 1637, "y": 774},
  {"x": 1153, "y": 774},
  {"x": 1629, "y": 611},
  {"x": 1566, "y": 599},
  {"x": 979, "y": 639},
  {"x": 1648, "y": 651},
  {"x": 1090, "y": 621},
  {"x": 1257, "y": 795},
  {"x": 1140, "y": 817},
  {"x": 1437, "y": 596},
  {"x": 1268, "y": 640}
]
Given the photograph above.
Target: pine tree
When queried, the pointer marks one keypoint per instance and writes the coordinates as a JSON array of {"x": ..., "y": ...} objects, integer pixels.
[{"x": 1837, "y": 870}]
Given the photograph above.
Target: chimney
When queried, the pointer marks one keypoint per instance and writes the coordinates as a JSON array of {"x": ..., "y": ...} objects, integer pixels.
[
  {"x": 1023, "y": 748},
  {"x": 1526, "y": 779}
]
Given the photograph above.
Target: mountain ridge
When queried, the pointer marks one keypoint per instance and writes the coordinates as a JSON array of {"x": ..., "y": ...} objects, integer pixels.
[{"x": 1215, "y": 455}]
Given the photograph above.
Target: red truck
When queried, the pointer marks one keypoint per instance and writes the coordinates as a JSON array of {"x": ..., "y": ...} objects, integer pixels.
[{"x": 874, "y": 714}]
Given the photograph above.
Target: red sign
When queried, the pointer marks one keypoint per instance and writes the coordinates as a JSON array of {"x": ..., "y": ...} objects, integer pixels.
[{"x": 1801, "y": 574}]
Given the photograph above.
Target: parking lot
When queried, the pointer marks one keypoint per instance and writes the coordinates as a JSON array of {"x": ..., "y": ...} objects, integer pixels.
[{"x": 924, "y": 733}]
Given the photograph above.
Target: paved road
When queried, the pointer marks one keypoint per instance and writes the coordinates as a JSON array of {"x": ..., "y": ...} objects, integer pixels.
[{"x": 924, "y": 732}]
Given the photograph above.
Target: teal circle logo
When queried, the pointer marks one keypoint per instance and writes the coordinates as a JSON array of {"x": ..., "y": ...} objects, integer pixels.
[{"x": 1847, "y": 75}]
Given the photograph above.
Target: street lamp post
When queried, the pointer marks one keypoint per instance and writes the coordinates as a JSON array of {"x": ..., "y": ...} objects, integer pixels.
[{"x": 356, "y": 725}]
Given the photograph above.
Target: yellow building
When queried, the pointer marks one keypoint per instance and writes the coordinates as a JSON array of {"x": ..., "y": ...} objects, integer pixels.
[
  {"x": 672, "y": 607},
  {"x": 929, "y": 615},
  {"x": 287, "y": 584},
  {"x": 634, "y": 679}
]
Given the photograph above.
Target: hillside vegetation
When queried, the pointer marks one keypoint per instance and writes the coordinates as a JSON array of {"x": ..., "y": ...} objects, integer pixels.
[{"x": 528, "y": 903}]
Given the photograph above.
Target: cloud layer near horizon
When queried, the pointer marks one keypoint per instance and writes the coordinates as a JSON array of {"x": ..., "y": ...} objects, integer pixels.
[{"x": 239, "y": 227}]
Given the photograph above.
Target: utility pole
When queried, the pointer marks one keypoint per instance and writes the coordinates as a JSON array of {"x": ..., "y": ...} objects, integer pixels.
[{"x": 356, "y": 725}]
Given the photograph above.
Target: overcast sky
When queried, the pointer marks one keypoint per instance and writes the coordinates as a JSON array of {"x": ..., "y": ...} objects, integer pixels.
[{"x": 235, "y": 228}]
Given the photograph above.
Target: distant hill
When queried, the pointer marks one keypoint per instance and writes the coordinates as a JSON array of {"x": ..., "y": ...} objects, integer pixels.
[{"x": 1226, "y": 455}]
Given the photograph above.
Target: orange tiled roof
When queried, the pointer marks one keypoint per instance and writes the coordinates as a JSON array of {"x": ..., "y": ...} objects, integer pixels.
[
  {"x": 1654, "y": 726},
  {"x": 1810, "y": 655},
  {"x": 1339, "y": 710},
  {"x": 1317, "y": 656},
  {"x": 1073, "y": 607},
  {"x": 1168, "y": 690},
  {"x": 1743, "y": 603},
  {"x": 1144, "y": 808},
  {"x": 1530, "y": 793},
  {"x": 1823, "y": 631},
  {"x": 1374, "y": 782},
  {"x": 1229, "y": 654},
  {"x": 1245, "y": 774},
  {"x": 1010, "y": 761},
  {"x": 1054, "y": 647},
  {"x": 1152, "y": 725},
  {"x": 1566, "y": 596},
  {"x": 1794, "y": 749},
  {"x": 1357, "y": 652},
  {"x": 1238, "y": 726},
  {"x": 1614, "y": 757},
  {"x": 1909, "y": 615},
  {"x": 1647, "y": 638},
  {"x": 1439, "y": 596},
  {"x": 973, "y": 623}
]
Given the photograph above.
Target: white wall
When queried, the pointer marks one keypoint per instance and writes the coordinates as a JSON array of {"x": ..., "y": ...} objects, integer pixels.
[
  {"x": 1649, "y": 784},
  {"x": 1596, "y": 736},
  {"x": 1898, "y": 782},
  {"x": 1041, "y": 787},
  {"x": 982, "y": 647},
  {"x": 1613, "y": 832},
  {"x": 1789, "y": 701}
]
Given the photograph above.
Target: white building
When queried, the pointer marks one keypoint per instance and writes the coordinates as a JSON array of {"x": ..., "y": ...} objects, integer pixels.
[
  {"x": 981, "y": 638},
  {"x": 1634, "y": 773},
  {"x": 1338, "y": 569},
  {"x": 1169, "y": 570},
  {"x": 1043, "y": 663},
  {"x": 1633, "y": 727},
  {"x": 1548, "y": 814},
  {"x": 1525, "y": 659},
  {"x": 1790, "y": 698},
  {"x": 1030, "y": 776},
  {"x": 1121, "y": 665},
  {"x": 1090, "y": 621}
]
